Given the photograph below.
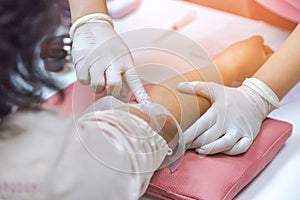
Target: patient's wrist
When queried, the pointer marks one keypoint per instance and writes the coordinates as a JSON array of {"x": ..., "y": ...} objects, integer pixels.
[
  {"x": 168, "y": 131},
  {"x": 157, "y": 119},
  {"x": 227, "y": 72},
  {"x": 165, "y": 124}
]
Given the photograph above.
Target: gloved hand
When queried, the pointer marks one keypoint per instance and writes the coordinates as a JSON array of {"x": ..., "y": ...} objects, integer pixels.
[
  {"x": 233, "y": 121},
  {"x": 101, "y": 58}
]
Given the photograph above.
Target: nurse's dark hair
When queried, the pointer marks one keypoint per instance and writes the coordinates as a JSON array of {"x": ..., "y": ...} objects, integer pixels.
[{"x": 23, "y": 24}]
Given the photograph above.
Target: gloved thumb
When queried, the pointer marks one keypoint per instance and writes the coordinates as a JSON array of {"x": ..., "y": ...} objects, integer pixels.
[{"x": 195, "y": 87}]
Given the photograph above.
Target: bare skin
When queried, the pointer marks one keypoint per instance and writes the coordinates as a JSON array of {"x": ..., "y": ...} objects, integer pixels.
[
  {"x": 237, "y": 62},
  {"x": 80, "y": 8},
  {"x": 242, "y": 60},
  {"x": 234, "y": 64},
  {"x": 284, "y": 66}
]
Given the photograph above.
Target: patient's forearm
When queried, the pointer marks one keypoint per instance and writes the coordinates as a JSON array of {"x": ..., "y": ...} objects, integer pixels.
[
  {"x": 234, "y": 64},
  {"x": 237, "y": 62},
  {"x": 286, "y": 63},
  {"x": 168, "y": 131},
  {"x": 185, "y": 108}
]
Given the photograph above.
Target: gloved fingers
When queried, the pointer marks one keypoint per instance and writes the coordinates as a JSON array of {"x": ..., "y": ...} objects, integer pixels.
[
  {"x": 136, "y": 86},
  {"x": 97, "y": 78},
  {"x": 82, "y": 71},
  {"x": 196, "y": 87},
  {"x": 240, "y": 147},
  {"x": 81, "y": 51},
  {"x": 211, "y": 134},
  {"x": 113, "y": 82},
  {"x": 191, "y": 135},
  {"x": 125, "y": 88},
  {"x": 227, "y": 141},
  {"x": 120, "y": 91},
  {"x": 90, "y": 70}
]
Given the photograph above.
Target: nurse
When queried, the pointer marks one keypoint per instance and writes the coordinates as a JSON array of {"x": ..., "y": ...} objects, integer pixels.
[
  {"x": 236, "y": 114},
  {"x": 94, "y": 62},
  {"x": 109, "y": 154}
]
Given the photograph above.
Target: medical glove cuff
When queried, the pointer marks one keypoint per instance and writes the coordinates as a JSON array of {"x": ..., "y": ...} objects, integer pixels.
[
  {"x": 96, "y": 17},
  {"x": 266, "y": 98}
]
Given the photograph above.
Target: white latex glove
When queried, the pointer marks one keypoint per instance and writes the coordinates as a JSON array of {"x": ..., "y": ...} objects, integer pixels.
[
  {"x": 233, "y": 121},
  {"x": 101, "y": 58}
]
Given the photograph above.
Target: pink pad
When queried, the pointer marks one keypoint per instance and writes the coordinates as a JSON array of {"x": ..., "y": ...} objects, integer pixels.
[{"x": 220, "y": 176}]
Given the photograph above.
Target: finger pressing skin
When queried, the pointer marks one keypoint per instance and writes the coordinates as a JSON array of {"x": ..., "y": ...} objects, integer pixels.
[
  {"x": 192, "y": 134},
  {"x": 240, "y": 147},
  {"x": 97, "y": 79}
]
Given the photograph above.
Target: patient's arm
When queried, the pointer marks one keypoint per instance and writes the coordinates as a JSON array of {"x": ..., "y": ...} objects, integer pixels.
[{"x": 234, "y": 64}]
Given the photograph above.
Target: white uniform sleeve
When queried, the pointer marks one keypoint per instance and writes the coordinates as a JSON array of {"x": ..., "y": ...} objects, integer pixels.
[
  {"x": 109, "y": 155},
  {"x": 103, "y": 155}
]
